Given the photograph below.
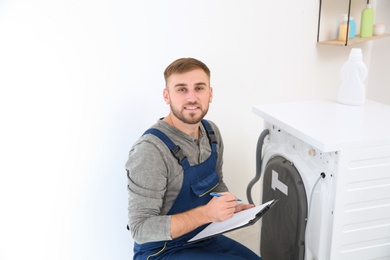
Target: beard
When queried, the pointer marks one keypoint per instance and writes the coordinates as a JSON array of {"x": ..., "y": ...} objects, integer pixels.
[{"x": 191, "y": 118}]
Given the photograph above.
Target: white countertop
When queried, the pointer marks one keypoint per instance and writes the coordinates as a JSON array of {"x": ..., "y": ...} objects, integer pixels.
[{"x": 329, "y": 125}]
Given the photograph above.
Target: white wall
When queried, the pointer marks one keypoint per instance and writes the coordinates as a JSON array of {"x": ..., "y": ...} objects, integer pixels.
[{"x": 81, "y": 80}]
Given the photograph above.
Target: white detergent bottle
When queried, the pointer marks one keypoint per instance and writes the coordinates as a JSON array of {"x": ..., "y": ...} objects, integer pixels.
[{"x": 353, "y": 73}]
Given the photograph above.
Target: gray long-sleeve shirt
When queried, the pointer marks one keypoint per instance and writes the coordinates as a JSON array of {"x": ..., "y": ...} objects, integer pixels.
[{"x": 155, "y": 178}]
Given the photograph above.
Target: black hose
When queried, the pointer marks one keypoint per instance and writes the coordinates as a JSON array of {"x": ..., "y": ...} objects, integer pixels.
[{"x": 259, "y": 161}]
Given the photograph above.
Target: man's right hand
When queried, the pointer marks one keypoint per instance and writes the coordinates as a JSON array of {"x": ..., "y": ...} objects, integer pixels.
[{"x": 221, "y": 208}]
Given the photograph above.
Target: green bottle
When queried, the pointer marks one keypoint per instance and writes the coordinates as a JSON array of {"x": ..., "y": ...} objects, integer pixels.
[{"x": 367, "y": 22}]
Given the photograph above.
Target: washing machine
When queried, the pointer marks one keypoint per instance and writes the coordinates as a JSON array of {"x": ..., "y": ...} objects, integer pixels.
[{"x": 328, "y": 165}]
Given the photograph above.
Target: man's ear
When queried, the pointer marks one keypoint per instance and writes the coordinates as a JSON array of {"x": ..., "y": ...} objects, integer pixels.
[
  {"x": 166, "y": 96},
  {"x": 211, "y": 95}
]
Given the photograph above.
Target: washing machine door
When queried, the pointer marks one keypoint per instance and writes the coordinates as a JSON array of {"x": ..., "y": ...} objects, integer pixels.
[{"x": 283, "y": 227}]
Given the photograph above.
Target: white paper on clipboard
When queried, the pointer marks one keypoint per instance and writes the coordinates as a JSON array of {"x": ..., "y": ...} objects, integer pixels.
[{"x": 239, "y": 220}]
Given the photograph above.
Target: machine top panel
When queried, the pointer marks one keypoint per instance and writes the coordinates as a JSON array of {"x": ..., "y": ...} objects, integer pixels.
[{"x": 329, "y": 125}]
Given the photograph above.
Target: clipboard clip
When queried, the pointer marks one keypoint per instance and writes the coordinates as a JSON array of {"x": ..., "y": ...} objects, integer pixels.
[{"x": 261, "y": 213}]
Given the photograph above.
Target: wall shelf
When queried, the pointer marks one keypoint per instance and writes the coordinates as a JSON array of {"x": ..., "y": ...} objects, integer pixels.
[
  {"x": 356, "y": 40},
  {"x": 336, "y": 42}
]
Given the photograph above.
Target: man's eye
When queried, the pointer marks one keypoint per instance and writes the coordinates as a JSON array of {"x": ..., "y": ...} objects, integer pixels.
[{"x": 181, "y": 89}]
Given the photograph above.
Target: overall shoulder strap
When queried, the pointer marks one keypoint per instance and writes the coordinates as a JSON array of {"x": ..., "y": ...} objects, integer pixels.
[
  {"x": 210, "y": 132},
  {"x": 175, "y": 149}
]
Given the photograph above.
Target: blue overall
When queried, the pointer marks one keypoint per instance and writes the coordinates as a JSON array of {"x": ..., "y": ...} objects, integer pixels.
[{"x": 198, "y": 181}]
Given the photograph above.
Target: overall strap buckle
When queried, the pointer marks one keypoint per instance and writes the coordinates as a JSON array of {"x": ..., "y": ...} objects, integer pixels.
[
  {"x": 178, "y": 153},
  {"x": 210, "y": 132}
]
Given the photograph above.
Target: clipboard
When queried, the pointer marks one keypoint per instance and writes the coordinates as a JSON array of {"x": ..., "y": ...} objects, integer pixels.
[{"x": 239, "y": 220}]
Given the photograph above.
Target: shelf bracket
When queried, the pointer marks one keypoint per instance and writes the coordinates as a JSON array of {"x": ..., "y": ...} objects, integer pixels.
[
  {"x": 319, "y": 22},
  {"x": 349, "y": 15}
]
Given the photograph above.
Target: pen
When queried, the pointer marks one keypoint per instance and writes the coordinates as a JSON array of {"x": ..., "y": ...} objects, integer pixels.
[{"x": 214, "y": 194}]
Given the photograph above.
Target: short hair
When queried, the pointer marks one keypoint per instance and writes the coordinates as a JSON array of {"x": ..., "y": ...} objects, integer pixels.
[{"x": 183, "y": 65}]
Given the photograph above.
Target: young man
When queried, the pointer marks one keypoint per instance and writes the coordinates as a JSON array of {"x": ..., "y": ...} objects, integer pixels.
[{"x": 173, "y": 168}]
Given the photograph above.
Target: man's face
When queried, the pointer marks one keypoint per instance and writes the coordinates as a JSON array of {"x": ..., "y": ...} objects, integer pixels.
[{"x": 189, "y": 95}]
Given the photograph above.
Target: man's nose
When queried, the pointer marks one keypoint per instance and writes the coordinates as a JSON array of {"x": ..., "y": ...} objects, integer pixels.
[{"x": 192, "y": 96}]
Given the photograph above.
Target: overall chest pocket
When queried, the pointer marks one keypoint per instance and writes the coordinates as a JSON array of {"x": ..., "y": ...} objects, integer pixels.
[{"x": 205, "y": 184}]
